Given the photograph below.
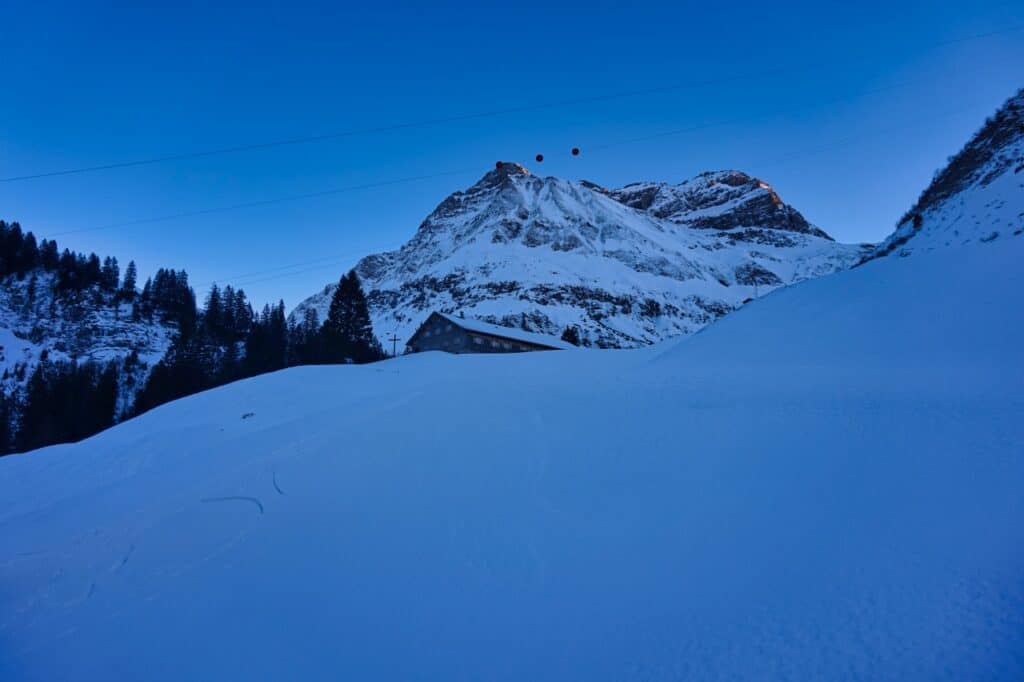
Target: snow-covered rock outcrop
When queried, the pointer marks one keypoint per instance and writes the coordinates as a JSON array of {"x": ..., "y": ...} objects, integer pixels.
[
  {"x": 720, "y": 200},
  {"x": 628, "y": 267}
]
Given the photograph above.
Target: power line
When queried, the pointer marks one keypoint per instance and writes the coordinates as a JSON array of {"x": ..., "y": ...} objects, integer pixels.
[
  {"x": 465, "y": 171},
  {"x": 734, "y": 121},
  {"x": 746, "y": 119},
  {"x": 400, "y": 126},
  {"x": 266, "y": 202},
  {"x": 335, "y": 261},
  {"x": 245, "y": 279},
  {"x": 854, "y": 138},
  {"x": 339, "y": 263},
  {"x": 465, "y": 117},
  {"x": 246, "y": 275},
  {"x": 346, "y": 258}
]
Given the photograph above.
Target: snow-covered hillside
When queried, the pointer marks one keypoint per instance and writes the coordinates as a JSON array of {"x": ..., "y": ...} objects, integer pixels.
[
  {"x": 977, "y": 197},
  {"x": 628, "y": 267},
  {"x": 91, "y": 325},
  {"x": 824, "y": 485}
]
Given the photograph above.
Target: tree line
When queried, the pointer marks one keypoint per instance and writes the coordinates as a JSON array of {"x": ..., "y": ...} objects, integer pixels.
[
  {"x": 224, "y": 340},
  {"x": 230, "y": 341}
]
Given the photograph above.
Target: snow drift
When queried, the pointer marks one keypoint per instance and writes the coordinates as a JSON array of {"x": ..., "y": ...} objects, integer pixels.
[{"x": 825, "y": 484}]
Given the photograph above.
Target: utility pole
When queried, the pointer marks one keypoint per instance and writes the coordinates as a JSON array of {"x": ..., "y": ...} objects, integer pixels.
[{"x": 394, "y": 344}]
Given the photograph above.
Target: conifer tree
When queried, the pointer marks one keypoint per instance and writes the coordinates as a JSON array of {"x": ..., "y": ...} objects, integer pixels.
[
  {"x": 128, "y": 285},
  {"x": 266, "y": 347},
  {"x": 93, "y": 270},
  {"x": 30, "y": 295},
  {"x": 12, "y": 243},
  {"x": 48, "y": 255},
  {"x": 66, "y": 402},
  {"x": 212, "y": 318},
  {"x": 28, "y": 257},
  {"x": 227, "y": 322},
  {"x": 348, "y": 331},
  {"x": 110, "y": 274},
  {"x": 243, "y": 314},
  {"x": 304, "y": 340}
]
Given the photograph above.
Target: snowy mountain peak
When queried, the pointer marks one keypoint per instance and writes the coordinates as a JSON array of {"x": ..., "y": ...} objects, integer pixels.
[
  {"x": 627, "y": 267},
  {"x": 509, "y": 169},
  {"x": 720, "y": 200},
  {"x": 977, "y": 197},
  {"x": 502, "y": 175}
]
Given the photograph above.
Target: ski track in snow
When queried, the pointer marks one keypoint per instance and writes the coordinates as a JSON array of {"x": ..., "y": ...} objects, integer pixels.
[
  {"x": 276, "y": 486},
  {"x": 127, "y": 556},
  {"x": 235, "y": 498}
]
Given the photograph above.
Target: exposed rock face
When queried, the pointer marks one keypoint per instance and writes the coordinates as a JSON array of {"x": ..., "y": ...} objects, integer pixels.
[
  {"x": 977, "y": 197},
  {"x": 718, "y": 200},
  {"x": 627, "y": 267}
]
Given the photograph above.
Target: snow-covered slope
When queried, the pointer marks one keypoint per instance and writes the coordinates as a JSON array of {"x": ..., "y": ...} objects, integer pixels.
[
  {"x": 628, "y": 267},
  {"x": 824, "y": 485},
  {"x": 87, "y": 326},
  {"x": 977, "y": 197}
]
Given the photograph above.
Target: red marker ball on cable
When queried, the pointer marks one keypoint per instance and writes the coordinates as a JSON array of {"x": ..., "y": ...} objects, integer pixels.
[
  {"x": 540, "y": 157},
  {"x": 575, "y": 151}
]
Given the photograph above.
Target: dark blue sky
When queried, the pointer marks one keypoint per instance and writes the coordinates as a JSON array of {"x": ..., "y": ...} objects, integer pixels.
[{"x": 863, "y": 103}]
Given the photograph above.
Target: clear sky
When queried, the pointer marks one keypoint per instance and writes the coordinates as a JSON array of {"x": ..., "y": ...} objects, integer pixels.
[{"x": 846, "y": 108}]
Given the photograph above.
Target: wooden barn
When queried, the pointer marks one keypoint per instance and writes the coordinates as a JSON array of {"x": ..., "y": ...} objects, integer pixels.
[{"x": 453, "y": 334}]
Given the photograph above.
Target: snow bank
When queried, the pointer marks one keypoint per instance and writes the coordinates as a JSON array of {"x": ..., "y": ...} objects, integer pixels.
[{"x": 825, "y": 484}]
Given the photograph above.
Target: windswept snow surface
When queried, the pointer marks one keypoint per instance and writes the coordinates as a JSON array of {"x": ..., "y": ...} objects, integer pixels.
[{"x": 826, "y": 484}]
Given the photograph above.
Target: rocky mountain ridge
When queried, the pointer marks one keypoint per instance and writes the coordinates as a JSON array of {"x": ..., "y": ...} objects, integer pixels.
[
  {"x": 627, "y": 267},
  {"x": 977, "y": 197}
]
